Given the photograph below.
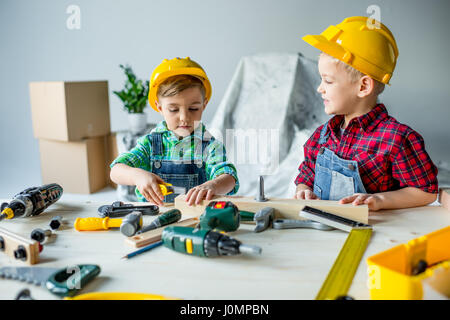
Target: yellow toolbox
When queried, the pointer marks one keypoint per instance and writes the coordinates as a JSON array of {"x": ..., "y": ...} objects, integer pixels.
[{"x": 395, "y": 274}]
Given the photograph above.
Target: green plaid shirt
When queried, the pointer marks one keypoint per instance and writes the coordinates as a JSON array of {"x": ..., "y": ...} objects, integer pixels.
[{"x": 185, "y": 149}]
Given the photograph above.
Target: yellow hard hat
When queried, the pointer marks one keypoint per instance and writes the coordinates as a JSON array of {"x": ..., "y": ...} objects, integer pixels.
[
  {"x": 174, "y": 67},
  {"x": 364, "y": 43}
]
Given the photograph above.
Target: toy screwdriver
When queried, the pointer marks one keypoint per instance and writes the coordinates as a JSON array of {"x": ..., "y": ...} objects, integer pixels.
[
  {"x": 166, "y": 218},
  {"x": 168, "y": 188},
  {"x": 128, "y": 225}
]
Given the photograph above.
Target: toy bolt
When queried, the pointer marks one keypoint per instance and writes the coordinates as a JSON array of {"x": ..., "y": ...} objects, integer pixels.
[
  {"x": 20, "y": 253},
  {"x": 56, "y": 222},
  {"x": 260, "y": 195},
  {"x": 40, "y": 235}
]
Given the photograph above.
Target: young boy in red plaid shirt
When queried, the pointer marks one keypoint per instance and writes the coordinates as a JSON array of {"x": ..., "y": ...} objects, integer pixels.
[{"x": 362, "y": 155}]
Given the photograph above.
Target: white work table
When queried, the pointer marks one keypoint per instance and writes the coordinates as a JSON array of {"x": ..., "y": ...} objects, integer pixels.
[{"x": 293, "y": 265}]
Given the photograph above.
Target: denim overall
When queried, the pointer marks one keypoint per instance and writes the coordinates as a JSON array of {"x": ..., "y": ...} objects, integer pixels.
[
  {"x": 335, "y": 178},
  {"x": 180, "y": 173}
]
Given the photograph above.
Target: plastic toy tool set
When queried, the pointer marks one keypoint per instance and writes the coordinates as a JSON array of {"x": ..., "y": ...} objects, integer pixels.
[{"x": 406, "y": 271}]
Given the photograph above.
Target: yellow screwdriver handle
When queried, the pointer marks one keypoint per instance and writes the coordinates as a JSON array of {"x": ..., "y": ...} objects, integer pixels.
[
  {"x": 93, "y": 223},
  {"x": 165, "y": 191}
]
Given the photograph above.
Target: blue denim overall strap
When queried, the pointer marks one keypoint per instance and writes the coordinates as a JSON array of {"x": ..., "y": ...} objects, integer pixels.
[
  {"x": 335, "y": 178},
  {"x": 180, "y": 173}
]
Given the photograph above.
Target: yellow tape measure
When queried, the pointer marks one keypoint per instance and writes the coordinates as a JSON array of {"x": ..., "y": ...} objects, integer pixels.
[{"x": 344, "y": 268}]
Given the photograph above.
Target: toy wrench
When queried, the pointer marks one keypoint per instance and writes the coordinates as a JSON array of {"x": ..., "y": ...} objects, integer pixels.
[
  {"x": 120, "y": 209},
  {"x": 291, "y": 224}
]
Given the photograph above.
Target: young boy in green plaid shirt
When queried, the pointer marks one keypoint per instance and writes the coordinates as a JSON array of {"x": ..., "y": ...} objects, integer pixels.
[{"x": 179, "y": 150}]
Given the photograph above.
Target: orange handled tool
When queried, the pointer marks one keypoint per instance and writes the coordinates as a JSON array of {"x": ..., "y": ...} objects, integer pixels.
[{"x": 92, "y": 224}]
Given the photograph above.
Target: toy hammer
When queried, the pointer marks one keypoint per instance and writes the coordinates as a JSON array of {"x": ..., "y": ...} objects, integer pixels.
[{"x": 128, "y": 225}]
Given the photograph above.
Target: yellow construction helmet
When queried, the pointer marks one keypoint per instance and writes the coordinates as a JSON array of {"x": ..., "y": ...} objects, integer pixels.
[
  {"x": 363, "y": 43},
  {"x": 174, "y": 67}
]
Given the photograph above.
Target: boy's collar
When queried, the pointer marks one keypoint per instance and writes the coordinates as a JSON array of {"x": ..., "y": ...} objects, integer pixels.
[
  {"x": 370, "y": 119},
  {"x": 366, "y": 121},
  {"x": 162, "y": 127}
]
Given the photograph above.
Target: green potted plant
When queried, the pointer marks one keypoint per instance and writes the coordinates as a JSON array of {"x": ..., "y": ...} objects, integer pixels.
[{"x": 134, "y": 97}]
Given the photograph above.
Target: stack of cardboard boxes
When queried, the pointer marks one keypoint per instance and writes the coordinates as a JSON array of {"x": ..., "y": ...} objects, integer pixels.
[{"x": 71, "y": 121}]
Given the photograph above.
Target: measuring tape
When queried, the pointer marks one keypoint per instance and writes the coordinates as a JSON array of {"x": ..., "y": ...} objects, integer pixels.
[{"x": 344, "y": 268}]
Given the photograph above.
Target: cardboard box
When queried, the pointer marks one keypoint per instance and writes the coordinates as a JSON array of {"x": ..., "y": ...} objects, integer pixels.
[
  {"x": 69, "y": 111},
  {"x": 79, "y": 167}
]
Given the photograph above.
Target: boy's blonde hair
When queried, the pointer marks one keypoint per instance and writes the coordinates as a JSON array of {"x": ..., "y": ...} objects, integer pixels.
[
  {"x": 354, "y": 74},
  {"x": 174, "y": 85}
]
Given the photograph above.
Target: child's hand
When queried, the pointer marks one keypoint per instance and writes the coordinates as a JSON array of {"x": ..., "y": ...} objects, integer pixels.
[
  {"x": 305, "y": 194},
  {"x": 204, "y": 191},
  {"x": 148, "y": 184},
  {"x": 373, "y": 201}
]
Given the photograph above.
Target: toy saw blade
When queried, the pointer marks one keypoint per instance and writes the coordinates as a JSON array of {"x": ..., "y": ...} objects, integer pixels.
[
  {"x": 62, "y": 282},
  {"x": 34, "y": 275}
]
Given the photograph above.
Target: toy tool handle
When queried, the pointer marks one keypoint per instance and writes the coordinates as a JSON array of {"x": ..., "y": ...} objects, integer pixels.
[
  {"x": 247, "y": 215},
  {"x": 92, "y": 224},
  {"x": 68, "y": 281},
  {"x": 169, "y": 217},
  {"x": 166, "y": 188}
]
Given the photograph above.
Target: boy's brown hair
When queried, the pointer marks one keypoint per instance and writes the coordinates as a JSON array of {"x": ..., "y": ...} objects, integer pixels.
[{"x": 174, "y": 85}]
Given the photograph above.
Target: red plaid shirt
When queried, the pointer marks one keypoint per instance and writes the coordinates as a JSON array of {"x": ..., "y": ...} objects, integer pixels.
[{"x": 390, "y": 155}]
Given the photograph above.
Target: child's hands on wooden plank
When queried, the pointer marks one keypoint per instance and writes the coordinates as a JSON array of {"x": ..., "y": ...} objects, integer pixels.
[
  {"x": 201, "y": 192},
  {"x": 373, "y": 201},
  {"x": 303, "y": 192}
]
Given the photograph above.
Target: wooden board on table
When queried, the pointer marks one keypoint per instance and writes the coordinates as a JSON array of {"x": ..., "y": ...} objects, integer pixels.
[
  {"x": 444, "y": 197},
  {"x": 284, "y": 208},
  {"x": 11, "y": 242},
  {"x": 152, "y": 236}
]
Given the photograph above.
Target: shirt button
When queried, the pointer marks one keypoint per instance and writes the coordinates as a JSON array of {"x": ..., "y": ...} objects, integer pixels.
[
  {"x": 351, "y": 167},
  {"x": 321, "y": 151}
]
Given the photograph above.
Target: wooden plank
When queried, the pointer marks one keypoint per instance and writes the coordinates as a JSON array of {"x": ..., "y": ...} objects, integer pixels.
[
  {"x": 12, "y": 242},
  {"x": 444, "y": 198},
  {"x": 152, "y": 236},
  {"x": 284, "y": 208}
]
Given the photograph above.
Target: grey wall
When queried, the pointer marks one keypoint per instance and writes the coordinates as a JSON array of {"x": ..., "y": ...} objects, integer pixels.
[{"x": 36, "y": 45}]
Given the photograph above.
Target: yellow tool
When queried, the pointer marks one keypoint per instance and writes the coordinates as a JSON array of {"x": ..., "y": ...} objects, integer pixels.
[
  {"x": 168, "y": 188},
  {"x": 344, "y": 268},
  {"x": 93, "y": 223},
  {"x": 400, "y": 272},
  {"x": 128, "y": 225},
  {"x": 119, "y": 296}
]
